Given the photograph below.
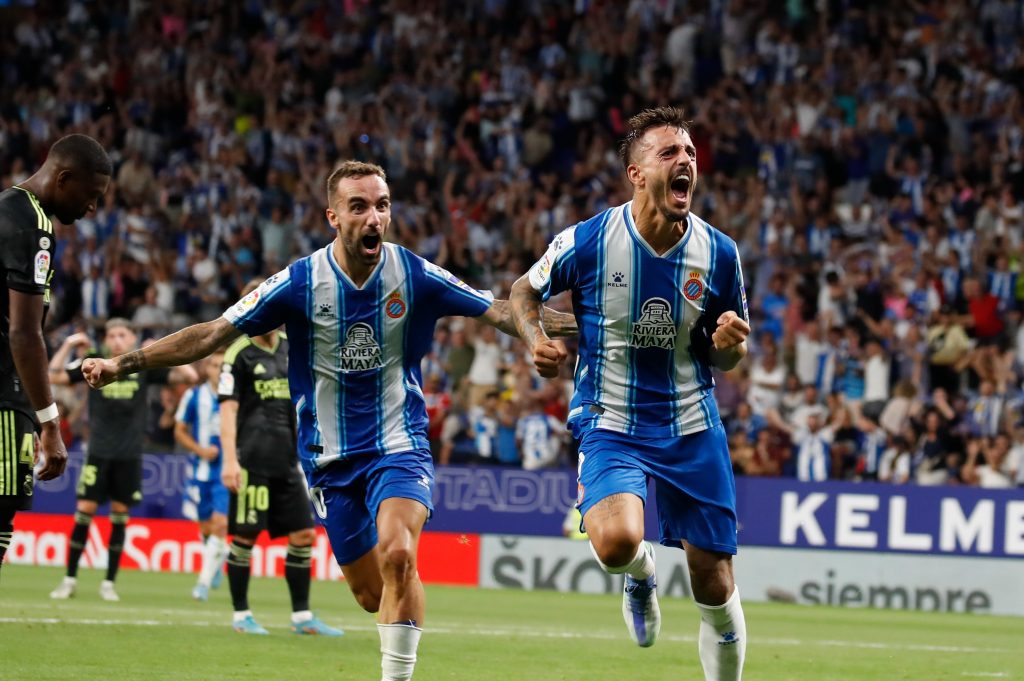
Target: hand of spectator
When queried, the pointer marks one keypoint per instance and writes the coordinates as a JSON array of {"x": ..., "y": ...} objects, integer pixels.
[
  {"x": 77, "y": 340},
  {"x": 548, "y": 356},
  {"x": 99, "y": 372},
  {"x": 731, "y": 331}
]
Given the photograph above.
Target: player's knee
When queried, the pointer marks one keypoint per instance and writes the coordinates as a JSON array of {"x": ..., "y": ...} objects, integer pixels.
[
  {"x": 398, "y": 561},
  {"x": 618, "y": 549},
  {"x": 712, "y": 583},
  {"x": 219, "y": 526},
  {"x": 302, "y": 537}
]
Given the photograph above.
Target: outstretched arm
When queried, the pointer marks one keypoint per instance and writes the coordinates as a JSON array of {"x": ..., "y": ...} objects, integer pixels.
[
  {"x": 557, "y": 324},
  {"x": 528, "y": 316},
  {"x": 183, "y": 347}
]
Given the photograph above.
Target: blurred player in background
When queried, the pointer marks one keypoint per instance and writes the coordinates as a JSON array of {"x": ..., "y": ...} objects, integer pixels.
[
  {"x": 360, "y": 314},
  {"x": 69, "y": 185},
  {"x": 261, "y": 472},
  {"x": 659, "y": 297},
  {"x": 113, "y": 467},
  {"x": 197, "y": 429}
]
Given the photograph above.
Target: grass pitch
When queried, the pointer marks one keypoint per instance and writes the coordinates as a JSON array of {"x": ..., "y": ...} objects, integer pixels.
[{"x": 158, "y": 633}]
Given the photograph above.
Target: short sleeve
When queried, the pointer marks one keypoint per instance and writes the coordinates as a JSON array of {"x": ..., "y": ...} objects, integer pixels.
[
  {"x": 451, "y": 295},
  {"x": 264, "y": 309},
  {"x": 28, "y": 243},
  {"x": 556, "y": 270},
  {"x": 186, "y": 408},
  {"x": 227, "y": 385},
  {"x": 732, "y": 295}
]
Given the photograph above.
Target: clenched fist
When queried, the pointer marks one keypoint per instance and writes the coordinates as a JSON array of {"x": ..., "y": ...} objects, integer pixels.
[
  {"x": 548, "y": 356},
  {"x": 731, "y": 331}
]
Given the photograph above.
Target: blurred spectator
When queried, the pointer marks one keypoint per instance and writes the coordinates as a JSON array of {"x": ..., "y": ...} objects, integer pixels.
[{"x": 871, "y": 172}]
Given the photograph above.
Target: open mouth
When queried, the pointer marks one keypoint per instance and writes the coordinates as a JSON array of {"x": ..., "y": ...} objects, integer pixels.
[
  {"x": 371, "y": 243},
  {"x": 680, "y": 187}
]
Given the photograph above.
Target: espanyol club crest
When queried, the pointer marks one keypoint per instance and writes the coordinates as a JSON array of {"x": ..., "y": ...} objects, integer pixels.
[
  {"x": 693, "y": 288},
  {"x": 395, "y": 307}
]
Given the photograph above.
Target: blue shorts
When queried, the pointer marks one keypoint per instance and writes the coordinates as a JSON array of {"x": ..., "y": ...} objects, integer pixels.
[
  {"x": 203, "y": 498},
  {"x": 694, "y": 485},
  {"x": 347, "y": 493}
]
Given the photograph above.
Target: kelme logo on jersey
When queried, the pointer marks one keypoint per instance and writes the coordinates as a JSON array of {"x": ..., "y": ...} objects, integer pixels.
[
  {"x": 618, "y": 281},
  {"x": 693, "y": 288},
  {"x": 655, "y": 328},
  {"x": 395, "y": 307},
  {"x": 360, "y": 351}
]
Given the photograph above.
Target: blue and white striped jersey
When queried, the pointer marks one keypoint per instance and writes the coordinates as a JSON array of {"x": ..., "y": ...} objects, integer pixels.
[
  {"x": 355, "y": 352},
  {"x": 199, "y": 409},
  {"x": 645, "y": 321}
]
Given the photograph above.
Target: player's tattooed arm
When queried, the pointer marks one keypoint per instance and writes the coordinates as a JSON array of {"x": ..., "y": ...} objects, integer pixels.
[
  {"x": 555, "y": 323},
  {"x": 527, "y": 313},
  {"x": 526, "y": 307},
  {"x": 182, "y": 347}
]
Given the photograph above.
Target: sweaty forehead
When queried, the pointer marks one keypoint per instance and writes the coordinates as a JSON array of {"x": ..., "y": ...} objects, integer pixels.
[{"x": 370, "y": 188}]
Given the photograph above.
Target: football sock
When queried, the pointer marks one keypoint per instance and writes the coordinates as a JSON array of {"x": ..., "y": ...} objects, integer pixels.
[
  {"x": 641, "y": 567},
  {"x": 79, "y": 535},
  {"x": 723, "y": 639},
  {"x": 118, "y": 523},
  {"x": 297, "y": 573},
  {"x": 398, "y": 643},
  {"x": 214, "y": 553},
  {"x": 6, "y": 533},
  {"x": 239, "y": 559}
]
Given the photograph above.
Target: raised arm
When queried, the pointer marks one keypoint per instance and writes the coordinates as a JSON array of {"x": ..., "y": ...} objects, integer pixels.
[
  {"x": 58, "y": 373},
  {"x": 183, "y": 347},
  {"x": 527, "y": 312}
]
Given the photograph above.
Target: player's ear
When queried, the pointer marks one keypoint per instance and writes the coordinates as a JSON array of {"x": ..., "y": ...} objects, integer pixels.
[
  {"x": 332, "y": 217},
  {"x": 636, "y": 178},
  {"x": 64, "y": 176}
]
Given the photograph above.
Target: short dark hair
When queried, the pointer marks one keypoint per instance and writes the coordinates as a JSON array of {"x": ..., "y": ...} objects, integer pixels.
[
  {"x": 352, "y": 169},
  {"x": 639, "y": 124},
  {"x": 82, "y": 152}
]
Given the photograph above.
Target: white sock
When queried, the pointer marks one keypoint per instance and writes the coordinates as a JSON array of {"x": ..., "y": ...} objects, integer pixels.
[
  {"x": 723, "y": 639},
  {"x": 240, "y": 615},
  {"x": 398, "y": 643},
  {"x": 301, "y": 616},
  {"x": 214, "y": 553},
  {"x": 641, "y": 567}
]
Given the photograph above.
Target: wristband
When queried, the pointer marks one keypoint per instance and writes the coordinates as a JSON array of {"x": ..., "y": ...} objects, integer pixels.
[{"x": 48, "y": 414}]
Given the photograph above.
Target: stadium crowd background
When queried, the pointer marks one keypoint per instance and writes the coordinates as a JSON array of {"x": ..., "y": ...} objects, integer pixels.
[{"x": 869, "y": 162}]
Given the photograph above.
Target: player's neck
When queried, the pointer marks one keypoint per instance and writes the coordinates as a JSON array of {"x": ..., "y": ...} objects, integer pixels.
[
  {"x": 356, "y": 271},
  {"x": 653, "y": 227},
  {"x": 38, "y": 184}
]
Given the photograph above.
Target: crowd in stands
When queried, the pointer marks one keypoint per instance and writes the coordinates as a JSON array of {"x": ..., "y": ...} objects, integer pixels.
[{"x": 867, "y": 157}]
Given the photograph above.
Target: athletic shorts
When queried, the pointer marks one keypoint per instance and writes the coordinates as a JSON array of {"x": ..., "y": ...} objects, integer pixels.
[
  {"x": 203, "y": 498},
  {"x": 278, "y": 504},
  {"x": 694, "y": 486},
  {"x": 103, "y": 480},
  {"x": 347, "y": 493},
  {"x": 17, "y": 450}
]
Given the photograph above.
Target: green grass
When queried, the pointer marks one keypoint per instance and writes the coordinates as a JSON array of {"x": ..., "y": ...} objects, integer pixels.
[{"x": 158, "y": 633}]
